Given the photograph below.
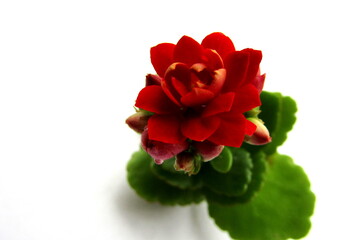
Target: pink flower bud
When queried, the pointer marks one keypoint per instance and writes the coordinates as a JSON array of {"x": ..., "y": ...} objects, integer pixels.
[
  {"x": 208, "y": 150},
  {"x": 138, "y": 121},
  {"x": 258, "y": 81},
  {"x": 188, "y": 162},
  {"x": 161, "y": 151},
  {"x": 260, "y": 136}
]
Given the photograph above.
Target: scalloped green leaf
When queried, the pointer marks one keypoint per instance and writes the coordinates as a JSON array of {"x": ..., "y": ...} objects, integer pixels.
[
  {"x": 270, "y": 109},
  {"x": 278, "y": 114},
  {"x": 281, "y": 210},
  {"x": 285, "y": 122},
  {"x": 235, "y": 181},
  {"x": 259, "y": 168},
  {"x": 150, "y": 187},
  {"x": 223, "y": 163},
  {"x": 167, "y": 173}
]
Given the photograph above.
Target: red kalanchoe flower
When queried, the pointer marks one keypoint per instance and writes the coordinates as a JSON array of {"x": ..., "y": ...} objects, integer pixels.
[{"x": 200, "y": 93}]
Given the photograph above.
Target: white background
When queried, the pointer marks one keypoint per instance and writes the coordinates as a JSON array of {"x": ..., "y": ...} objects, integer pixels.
[{"x": 71, "y": 70}]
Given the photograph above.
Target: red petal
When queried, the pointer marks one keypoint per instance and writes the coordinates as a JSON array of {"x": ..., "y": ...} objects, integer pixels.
[
  {"x": 231, "y": 130},
  {"x": 212, "y": 59},
  {"x": 166, "y": 88},
  {"x": 177, "y": 82},
  {"x": 153, "y": 99},
  {"x": 247, "y": 98},
  {"x": 242, "y": 68},
  {"x": 197, "y": 97},
  {"x": 165, "y": 128},
  {"x": 199, "y": 129},
  {"x": 179, "y": 87},
  {"x": 236, "y": 64},
  {"x": 219, "y": 42},
  {"x": 217, "y": 81},
  {"x": 162, "y": 57},
  {"x": 255, "y": 58},
  {"x": 250, "y": 128},
  {"x": 222, "y": 103},
  {"x": 188, "y": 51}
]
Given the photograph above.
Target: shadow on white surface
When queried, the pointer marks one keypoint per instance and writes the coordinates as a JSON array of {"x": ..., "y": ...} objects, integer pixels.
[{"x": 145, "y": 220}]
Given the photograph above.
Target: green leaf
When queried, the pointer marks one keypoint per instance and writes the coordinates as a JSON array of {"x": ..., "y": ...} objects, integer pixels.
[
  {"x": 234, "y": 182},
  {"x": 258, "y": 170},
  {"x": 278, "y": 114},
  {"x": 284, "y": 125},
  {"x": 280, "y": 210},
  {"x": 167, "y": 173},
  {"x": 270, "y": 109},
  {"x": 223, "y": 162},
  {"x": 150, "y": 187}
]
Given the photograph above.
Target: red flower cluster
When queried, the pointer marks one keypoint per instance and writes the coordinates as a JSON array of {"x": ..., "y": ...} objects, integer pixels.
[{"x": 198, "y": 98}]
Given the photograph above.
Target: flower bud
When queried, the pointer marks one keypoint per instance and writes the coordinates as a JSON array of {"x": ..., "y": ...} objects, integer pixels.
[
  {"x": 152, "y": 79},
  {"x": 138, "y": 121},
  {"x": 258, "y": 81},
  {"x": 161, "y": 151},
  {"x": 253, "y": 113},
  {"x": 208, "y": 150},
  {"x": 188, "y": 162},
  {"x": 260, "y": 136}
]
